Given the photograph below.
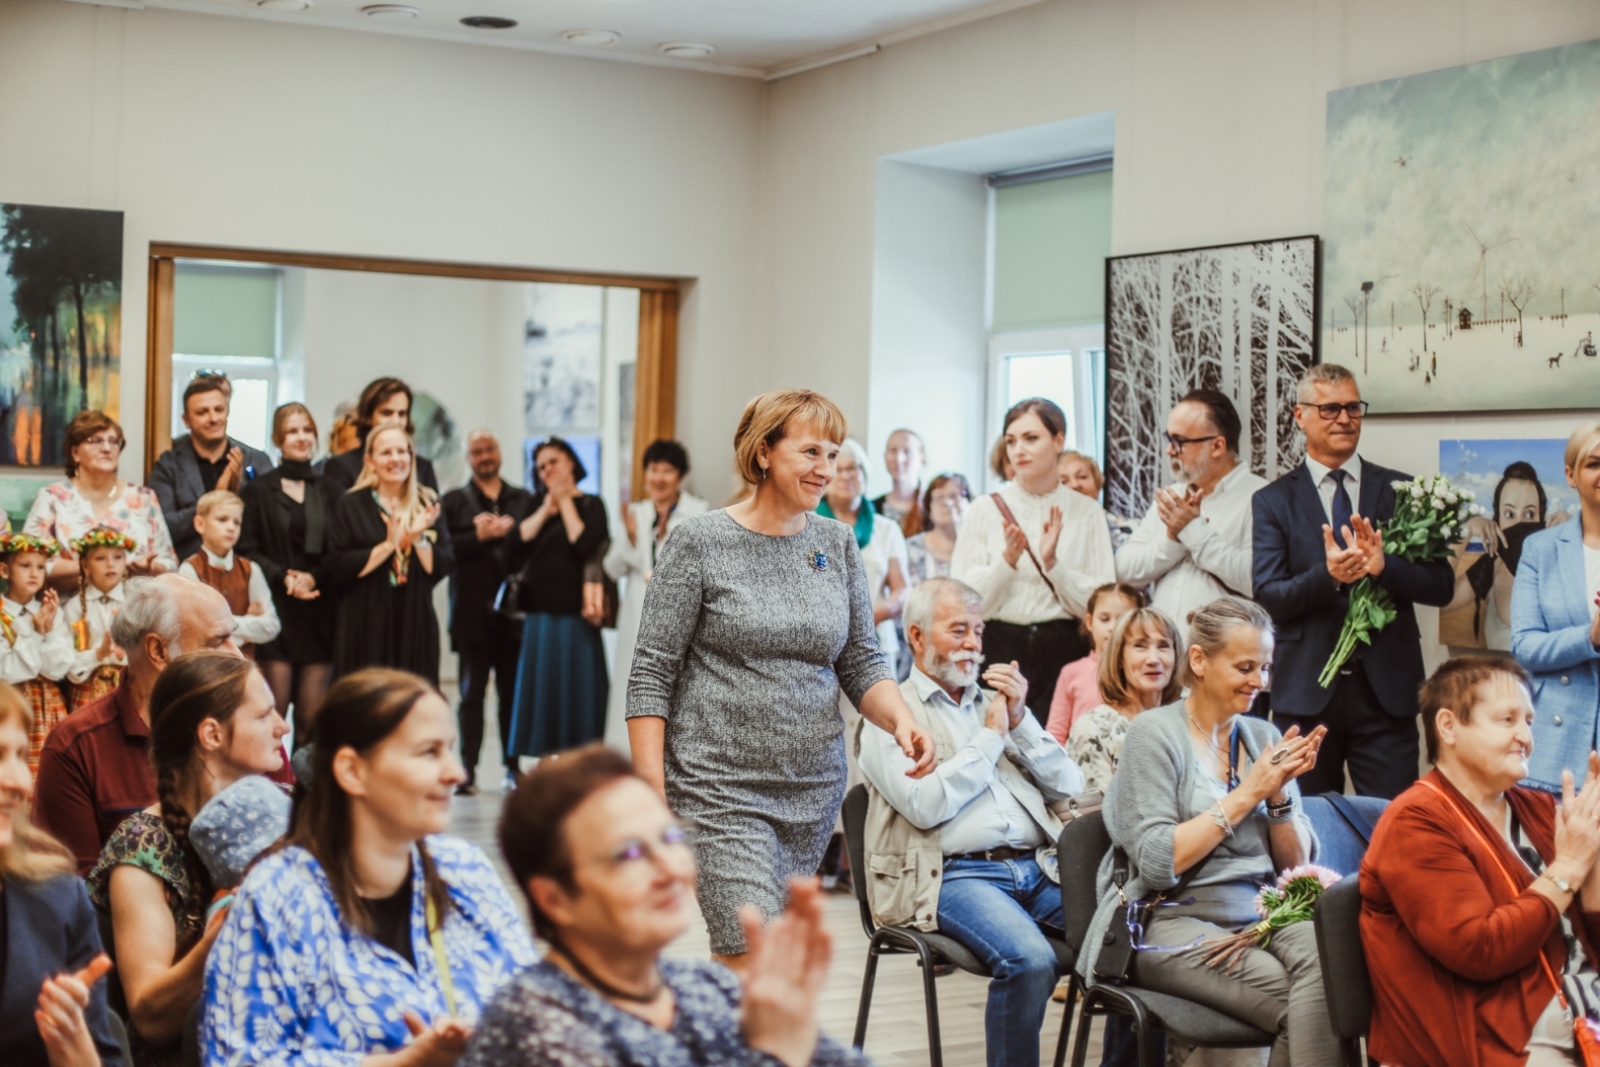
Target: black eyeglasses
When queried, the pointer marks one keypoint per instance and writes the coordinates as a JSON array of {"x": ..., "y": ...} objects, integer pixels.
[
  {"x": 1356, "y": 409},
  {"x": 1178, "y": 444}
]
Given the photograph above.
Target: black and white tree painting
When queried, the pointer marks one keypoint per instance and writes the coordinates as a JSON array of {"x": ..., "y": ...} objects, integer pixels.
[{"x": 1239, "y": 318}]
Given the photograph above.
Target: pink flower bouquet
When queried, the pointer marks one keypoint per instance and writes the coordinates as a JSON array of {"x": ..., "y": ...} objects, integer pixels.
[{"x": 1290, "y": 901}]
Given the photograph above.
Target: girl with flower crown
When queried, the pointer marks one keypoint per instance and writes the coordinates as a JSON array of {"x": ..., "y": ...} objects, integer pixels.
[
  {"x": 97, "y": 663},
  {"x": 34, "y": 650}
]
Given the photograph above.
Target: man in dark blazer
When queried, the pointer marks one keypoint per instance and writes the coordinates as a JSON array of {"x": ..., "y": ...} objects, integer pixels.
[
  {"x": 1316, "y": 535},
  {"x": 203, "y": 459},
  {"x": 480, "y": 516},
  {"x": 384, "y": 402}
]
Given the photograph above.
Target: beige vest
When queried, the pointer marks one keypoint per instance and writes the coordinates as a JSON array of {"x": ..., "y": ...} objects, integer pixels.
[{"x": 905, "y": 863}]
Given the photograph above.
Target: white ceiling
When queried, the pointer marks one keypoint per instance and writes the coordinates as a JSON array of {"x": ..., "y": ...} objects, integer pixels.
[{"x": 751, "y": 37}]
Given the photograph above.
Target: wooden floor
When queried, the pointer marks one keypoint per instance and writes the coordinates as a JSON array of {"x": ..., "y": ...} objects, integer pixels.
[{"x": 898, "y": 1031}]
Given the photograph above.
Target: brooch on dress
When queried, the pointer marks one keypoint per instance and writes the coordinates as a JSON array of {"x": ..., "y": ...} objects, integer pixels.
[{"x": 819, "y": 560}]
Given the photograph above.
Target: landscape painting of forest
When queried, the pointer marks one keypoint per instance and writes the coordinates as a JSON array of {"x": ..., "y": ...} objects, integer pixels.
[
  {"x": 60, "y": 325},
  {"x": 1239, "y": 318},
  {"x": 1460, "y": 270}
]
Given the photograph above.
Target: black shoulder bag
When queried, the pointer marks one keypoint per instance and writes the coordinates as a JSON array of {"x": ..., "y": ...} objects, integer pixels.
[{"x": 1125, "y": 936}]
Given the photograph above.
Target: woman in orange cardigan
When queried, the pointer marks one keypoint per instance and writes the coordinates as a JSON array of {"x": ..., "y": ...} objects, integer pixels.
[{"x": 1470, "y": 884}]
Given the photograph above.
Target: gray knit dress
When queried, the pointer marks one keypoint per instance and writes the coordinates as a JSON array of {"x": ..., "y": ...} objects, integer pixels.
[{"x": 744, "y": 646}]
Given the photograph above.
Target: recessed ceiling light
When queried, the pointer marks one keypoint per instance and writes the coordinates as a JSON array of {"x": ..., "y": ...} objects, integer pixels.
[
  {"x": 284, "y": 5},
  {"x": 685, "y": 49},
  {"x": 591, "y": 38},
  {"x": 390, "y": 11},
  {"x": 488, "y": 22}
]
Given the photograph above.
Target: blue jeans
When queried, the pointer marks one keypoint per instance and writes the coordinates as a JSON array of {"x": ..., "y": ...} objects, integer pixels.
[{"x": 995, "y": 910}]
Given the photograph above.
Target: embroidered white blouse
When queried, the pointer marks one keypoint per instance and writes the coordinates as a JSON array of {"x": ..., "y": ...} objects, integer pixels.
[
  {"x": 102, "y": 608},
  {"x": 61, "y": 512},
  {"x": 25, "y": 653},
  {"x": 1018, "y": 594}
]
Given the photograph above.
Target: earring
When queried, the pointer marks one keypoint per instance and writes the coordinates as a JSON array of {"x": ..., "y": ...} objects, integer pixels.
[{"x": 763, "y": 474}]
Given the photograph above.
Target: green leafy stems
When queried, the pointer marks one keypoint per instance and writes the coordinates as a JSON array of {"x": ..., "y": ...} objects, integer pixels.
[{"x": 1429, "y": 516}]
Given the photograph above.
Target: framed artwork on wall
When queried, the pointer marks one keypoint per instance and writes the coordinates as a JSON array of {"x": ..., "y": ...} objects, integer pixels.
[
  {"x": 60, "y": 325},
  {"x": 1239, "y": 318},
  {"x": 1459, "y": 265}
]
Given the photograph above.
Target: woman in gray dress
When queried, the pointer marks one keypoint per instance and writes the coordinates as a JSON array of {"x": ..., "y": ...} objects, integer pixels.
[{"x": 756, "y": 618}]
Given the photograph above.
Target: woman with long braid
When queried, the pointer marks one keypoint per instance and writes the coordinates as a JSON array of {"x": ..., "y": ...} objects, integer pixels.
[{"x": 212, "y": 722}]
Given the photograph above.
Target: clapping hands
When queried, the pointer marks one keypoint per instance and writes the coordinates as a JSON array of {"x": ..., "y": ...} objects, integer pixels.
[
  {"x": 786, "y": 967},
  {"x": 44, "y": 619},
  {"x": 1284, "y": 762},
  {"x": 1178, "y": 509},
  {"x": 439, "y": 1045},
  {"x": 59, "y": 1015},
  {"x": 492, "y": 527},
  {"x": 1362, "y": 555}
]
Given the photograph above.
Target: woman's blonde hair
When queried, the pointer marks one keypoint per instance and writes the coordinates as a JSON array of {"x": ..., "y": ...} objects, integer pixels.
[
  {"x": 1116, "y": 688},
  {"x": 768, "y": 419},
  {"x": 1584, "y": 440},
  {"x": 32, "y": 855},
  {"x": 280, "y": 421},
  {"x": 1209, "y": 628},
  {"x": 417, "y": 498},
  {"x": 1088, "y": 461}
]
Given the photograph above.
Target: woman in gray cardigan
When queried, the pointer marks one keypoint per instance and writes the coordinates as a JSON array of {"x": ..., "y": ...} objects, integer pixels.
[
  {"x": 1204, "y": 803},
  {"x": 755, "y": 619}
]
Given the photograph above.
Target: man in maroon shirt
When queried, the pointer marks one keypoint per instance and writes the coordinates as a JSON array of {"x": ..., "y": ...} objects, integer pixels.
[{"x": 95, "y": 770}]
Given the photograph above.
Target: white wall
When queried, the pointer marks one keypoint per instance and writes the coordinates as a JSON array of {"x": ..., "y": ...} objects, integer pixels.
[
  {"x": 928, "y": 317},
  {"x": 1220, "y": 119},
  {"x": 243, "y": 132}
]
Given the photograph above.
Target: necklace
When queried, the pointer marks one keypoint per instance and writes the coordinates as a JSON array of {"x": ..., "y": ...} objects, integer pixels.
[
  {"x": 100, "y": 501},
  {"x": 604, "y": 988},
  {"x": 1222, "y": 754}
]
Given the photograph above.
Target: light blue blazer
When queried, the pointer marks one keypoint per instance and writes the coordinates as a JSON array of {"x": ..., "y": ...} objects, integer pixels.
[{"x": 1550, "y": 637}]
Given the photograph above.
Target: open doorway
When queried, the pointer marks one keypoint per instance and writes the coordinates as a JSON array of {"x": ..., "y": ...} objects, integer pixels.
[{"x": 525, "y": 351}]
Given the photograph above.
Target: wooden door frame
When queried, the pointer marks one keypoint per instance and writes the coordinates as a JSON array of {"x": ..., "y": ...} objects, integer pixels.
[{"x": 655, "y": 374}]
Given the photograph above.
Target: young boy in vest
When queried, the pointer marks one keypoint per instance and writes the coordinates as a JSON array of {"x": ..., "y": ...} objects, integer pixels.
[{"x": 218, "y": 517}]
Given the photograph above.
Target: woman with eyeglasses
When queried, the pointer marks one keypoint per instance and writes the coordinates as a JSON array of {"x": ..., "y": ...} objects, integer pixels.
[
  {"x": 609, "y": 878},
  {"x": 368, "y": 938},
  {"x": 1315, "y": 533},
  {"x": 92, "y": 495}
]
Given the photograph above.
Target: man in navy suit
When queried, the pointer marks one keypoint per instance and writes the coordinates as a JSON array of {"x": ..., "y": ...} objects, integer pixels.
[{"x": 1316, "y": 535}]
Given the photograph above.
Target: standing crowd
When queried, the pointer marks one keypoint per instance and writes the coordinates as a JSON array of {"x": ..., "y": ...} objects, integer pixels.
[{"x": 984, "y": 669}]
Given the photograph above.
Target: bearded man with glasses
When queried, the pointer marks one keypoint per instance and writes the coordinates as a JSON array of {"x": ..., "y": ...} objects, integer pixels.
[
  {"x": 1194, "y": 542},
  {"x": 1317, "y": 533}
]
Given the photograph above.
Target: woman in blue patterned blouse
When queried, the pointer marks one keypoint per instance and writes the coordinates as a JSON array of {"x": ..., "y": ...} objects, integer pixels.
[
  {"x": 368, "y": 939},
  {"x": 610, "y": 878}
]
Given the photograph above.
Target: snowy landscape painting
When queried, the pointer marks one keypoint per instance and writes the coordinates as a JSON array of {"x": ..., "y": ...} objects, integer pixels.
[
  {"x": 1239, "y": 318},
  {"x": 1460, "y": 270}
]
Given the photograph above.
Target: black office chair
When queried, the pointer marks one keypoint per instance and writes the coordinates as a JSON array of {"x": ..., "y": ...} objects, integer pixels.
[
  {"x": 1344, "y": 966},
  {"x": 931, "y": 949},
  {"x": 1084, "y": 842}
]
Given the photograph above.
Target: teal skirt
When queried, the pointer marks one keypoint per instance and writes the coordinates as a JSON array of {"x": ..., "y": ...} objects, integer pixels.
[{"x": 561, "y": 686}]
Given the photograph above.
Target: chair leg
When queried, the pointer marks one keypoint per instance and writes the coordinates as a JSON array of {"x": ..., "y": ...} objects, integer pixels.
[
  {"x": 1080, "y": 1047},
  {"x": 930, "y": 997},
  {"x": 868, "y": 979},
  {"x": 1141, "y": 1032},
  {"x": 1066, "y": 1019}
]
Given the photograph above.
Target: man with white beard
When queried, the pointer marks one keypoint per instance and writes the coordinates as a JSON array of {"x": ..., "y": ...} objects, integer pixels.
[{"x": 969, "y": 850}]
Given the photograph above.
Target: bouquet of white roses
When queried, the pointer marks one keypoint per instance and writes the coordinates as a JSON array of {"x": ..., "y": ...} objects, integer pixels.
[{"x": 1430, "y": 514}]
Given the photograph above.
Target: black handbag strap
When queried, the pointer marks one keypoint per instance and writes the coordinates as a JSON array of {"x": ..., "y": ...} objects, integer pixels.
[{"x": 1358, "y": 822}]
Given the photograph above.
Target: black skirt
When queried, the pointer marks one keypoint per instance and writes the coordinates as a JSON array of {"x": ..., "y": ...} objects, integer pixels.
[{"x": 1041, "y": 650}]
